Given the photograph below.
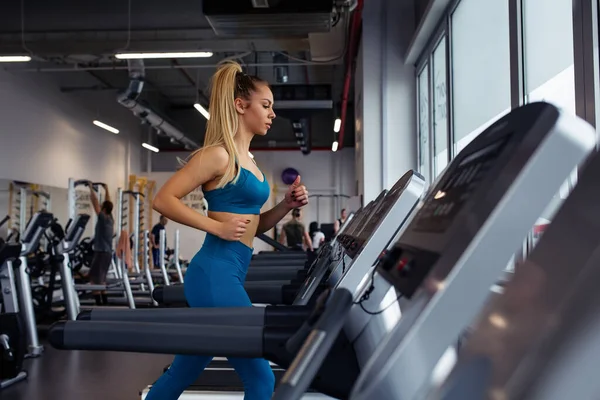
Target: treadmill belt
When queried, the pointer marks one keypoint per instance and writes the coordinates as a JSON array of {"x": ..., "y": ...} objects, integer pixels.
[{"x": 220, "y": 376}]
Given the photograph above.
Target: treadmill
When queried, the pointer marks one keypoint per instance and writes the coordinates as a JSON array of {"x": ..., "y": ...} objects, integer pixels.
[
  {"x": 275, "y": 291},
  {"x": 440, "y": 270},
  {"x": 545, "y": 327},
  {"x": 442, "y": 296},
  {"x": 30, "y": 242},
  {"x": 266, "y": 332}
]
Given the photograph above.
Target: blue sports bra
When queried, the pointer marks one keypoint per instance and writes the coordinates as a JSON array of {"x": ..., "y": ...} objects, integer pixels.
[{"x": 246, "y": 196}]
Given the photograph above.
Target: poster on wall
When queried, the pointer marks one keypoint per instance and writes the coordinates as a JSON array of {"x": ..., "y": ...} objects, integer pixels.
[
  {"x": 195, "y": 200},
  {"x": 83, "y": 203}
]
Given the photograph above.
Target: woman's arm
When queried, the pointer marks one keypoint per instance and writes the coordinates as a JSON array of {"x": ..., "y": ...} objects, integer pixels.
[
  {"x": 295, "y": 197},
  {"x": 270, "y": 218},
  {"x": 206, "y": 165}
]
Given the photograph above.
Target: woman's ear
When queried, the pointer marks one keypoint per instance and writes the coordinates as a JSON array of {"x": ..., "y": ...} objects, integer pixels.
[{"x": 239, "y": 105}]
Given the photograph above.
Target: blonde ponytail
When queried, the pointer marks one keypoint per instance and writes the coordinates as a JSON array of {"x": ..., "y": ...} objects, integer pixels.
[{"x": 227, "y": 83}]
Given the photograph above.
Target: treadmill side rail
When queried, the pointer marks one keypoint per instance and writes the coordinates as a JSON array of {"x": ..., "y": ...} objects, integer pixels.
[
  {"x": 144, "y": 337},
  {"x": 316, "y": 348},
  {"x": 234, "y": 316}
]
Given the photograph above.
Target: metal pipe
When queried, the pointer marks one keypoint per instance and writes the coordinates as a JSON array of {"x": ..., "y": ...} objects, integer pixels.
[
  {"x": 136, "y": 232},
  {"x": 352, "y": 49},
  {"x": 176, "y": 255},
  {"x": 23, "y": 210},
  {"x": 77, "y": 68},
  {"x": 147, "y": 265},
  {"x": 69, "y": 293},
  {"x": 35, "y": 349},
  {"x": 161, "y": 256},
  {"x": 125, "y": 273}
]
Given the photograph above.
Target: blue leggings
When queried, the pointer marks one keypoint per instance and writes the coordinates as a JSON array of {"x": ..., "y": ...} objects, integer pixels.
[{"x": 215, "y": 278}]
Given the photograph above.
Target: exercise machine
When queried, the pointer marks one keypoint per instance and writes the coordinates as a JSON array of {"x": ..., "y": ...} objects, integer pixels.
[
  {"x": 30, "y": 241},
  {"x": 241, "y": 332},
  {"x": 425, "y": 290},
  {"x": 273, "y": 291},
  {"x": 13, "y": 346},
  {"x": 463, "y": 237},
  {"x": 544, "y": 327}
]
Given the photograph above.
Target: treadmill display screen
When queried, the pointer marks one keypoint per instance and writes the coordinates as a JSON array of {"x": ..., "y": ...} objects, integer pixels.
[
  {"x": 441, "y": 206},
  {"x": 344, "y": 237},
  {"x": 362, "y": 228},
  {"x": 390, "y": 199},
  {"x": 406, "y": 267}
]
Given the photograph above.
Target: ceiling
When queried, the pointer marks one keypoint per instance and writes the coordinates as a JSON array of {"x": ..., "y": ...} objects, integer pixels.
[{"x": 74, "y": 42}]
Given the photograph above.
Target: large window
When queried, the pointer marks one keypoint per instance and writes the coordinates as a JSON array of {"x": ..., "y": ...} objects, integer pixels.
[
  {"x": 549, "y": 71},
  {"x": 440, "y": 108},
  {"x": 480, "y": 67},
  {"x": 548, "y": 52},
  {"x": 423, "y": 99}
]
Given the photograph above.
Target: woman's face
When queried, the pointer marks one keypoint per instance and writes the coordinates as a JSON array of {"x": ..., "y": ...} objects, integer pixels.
[{"x": 257, "y": 113}]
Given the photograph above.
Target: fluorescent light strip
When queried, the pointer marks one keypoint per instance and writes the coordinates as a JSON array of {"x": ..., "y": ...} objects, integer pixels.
[
  {"x": 202, "y": 110},
  {"x": 185, "y": 54},
  {"x": 107, "y": 127},
  {"x": 334, "y": 146},
  {"x": 337, "y": 125},
  {"x": 150, "y": 147},
  {"x": 15, "y": 58}
]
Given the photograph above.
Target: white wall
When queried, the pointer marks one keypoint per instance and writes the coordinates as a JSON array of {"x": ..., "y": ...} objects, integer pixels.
[
  {"x": 323, "y": 172},
  {"x": 385, "y": 101},
  {"x": 47, "y": 136}
]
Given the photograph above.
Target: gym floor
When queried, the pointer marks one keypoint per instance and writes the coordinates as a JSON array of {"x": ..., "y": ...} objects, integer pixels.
[{"x": 90, "y": 375}]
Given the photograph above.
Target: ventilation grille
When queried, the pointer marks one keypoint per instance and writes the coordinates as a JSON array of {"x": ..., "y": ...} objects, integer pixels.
[
  {"x": 270, "y": 25},
  {"x": 284, "y": 18}
]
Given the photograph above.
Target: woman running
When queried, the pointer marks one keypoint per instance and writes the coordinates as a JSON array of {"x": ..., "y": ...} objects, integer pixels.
[{"x": 241, "y": 106}]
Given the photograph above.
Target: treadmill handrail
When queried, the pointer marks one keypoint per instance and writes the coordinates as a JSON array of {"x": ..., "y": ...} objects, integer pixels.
[
  {"x": 310, "y": 358},
  {"x": 272, "y": 242}
]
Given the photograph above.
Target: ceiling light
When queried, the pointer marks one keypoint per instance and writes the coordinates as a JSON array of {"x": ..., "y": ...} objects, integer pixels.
[
  {"x": 15, "y": 58},
  {"x": 334, "y": 146},
  {"x": 202, "y": 110},
  {"x": 150, "y": 147},
  {"x": 184, "y": 54},
  {"x": 337, "y": 125},
  {"x": 107, "y": 127}
]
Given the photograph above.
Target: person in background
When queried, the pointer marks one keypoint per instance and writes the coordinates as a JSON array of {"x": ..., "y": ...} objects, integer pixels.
[
  {"x": 318, "y": 237},
  {"x": 155, "y": 239},
  {"x": 103, "y": 243},
  {"x": 340, "y": 221},
  {"x": 294, "y": 233}
]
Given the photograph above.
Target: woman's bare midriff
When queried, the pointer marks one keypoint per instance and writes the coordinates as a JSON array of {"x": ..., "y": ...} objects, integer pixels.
[{"x": 251, "y": 228}]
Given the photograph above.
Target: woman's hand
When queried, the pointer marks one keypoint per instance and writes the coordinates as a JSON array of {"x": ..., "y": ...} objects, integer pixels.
[
  {"x": 233, "y": 230},
  {"x": 297, "y": 195}
]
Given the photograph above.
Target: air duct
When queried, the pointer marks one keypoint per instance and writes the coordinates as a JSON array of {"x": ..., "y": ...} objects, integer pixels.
[{"x": 129, "y": 99}]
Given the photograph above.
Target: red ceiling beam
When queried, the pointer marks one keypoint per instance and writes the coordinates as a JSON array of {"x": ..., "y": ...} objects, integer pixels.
[{"x": 355, "y": 29}]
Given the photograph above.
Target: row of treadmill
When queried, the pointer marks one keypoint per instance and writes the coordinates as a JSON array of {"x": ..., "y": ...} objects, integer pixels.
[{"x": 378, "y": 312}]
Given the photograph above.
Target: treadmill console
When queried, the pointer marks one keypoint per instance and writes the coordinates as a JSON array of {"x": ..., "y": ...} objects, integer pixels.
[
  {"x": 386, "y": 204},
  {"x": 74, "y": 232},
  {"x": 351, "y": 244},
  {"x": 346, "y": 237},
  {"x": 36, "y": 227},
  {"x": 406, "y": 266}
]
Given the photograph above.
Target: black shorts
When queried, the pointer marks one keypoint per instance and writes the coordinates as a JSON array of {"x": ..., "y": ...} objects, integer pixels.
[{"x": 99, "y": 268}]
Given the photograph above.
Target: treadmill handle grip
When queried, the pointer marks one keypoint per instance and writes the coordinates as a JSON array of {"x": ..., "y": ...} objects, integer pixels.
[
  {"x": 278, "y": 246},
  {"x": 307, "y": 363}
]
